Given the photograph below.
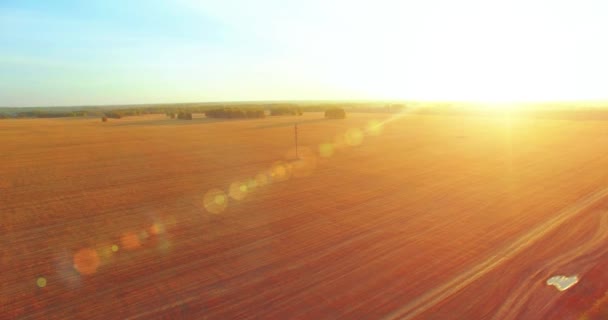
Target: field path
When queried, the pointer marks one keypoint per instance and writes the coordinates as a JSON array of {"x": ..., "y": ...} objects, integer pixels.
[
  {"x": 440, "y": 293},
  {"x": 580, "y": 258}
]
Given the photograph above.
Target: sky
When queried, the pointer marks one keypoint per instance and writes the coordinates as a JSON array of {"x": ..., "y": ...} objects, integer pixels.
[{"x": 63, "y": 52}]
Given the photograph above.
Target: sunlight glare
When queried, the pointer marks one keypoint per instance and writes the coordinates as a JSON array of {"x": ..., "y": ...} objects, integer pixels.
[
  {"x": 280, "y": 171},
  {"x": 215, "y": 201},
  {"x": 374, "y": 128},
  {"x": 130, "y": 241},
  {"x": 305, "y": 164},
  {"x": 157, "y": 228},
  {"x": 41, "y": 282},
  {"x": 353, "y": 137},
  {"x": 86, "y": 261},
  {"x": 326, "y": 150},
  {"x": 261, "y": 179},
  {"x": 252, "y": 184},
  {"x": 237, "y": 190},
  {"x": 105, "y": 252}
]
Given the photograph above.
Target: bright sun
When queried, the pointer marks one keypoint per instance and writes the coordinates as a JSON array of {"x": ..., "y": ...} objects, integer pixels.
[{"x": 476, "y": 58}]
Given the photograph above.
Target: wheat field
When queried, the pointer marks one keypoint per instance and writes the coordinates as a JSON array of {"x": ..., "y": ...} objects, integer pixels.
[{"x": 379, "y": 216}]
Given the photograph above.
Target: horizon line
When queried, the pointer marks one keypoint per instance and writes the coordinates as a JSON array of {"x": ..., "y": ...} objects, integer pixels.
[{"x": 455, "y": 101}]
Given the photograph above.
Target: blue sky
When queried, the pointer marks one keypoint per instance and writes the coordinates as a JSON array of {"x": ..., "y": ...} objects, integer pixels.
[{"x": 116, "y": 52}]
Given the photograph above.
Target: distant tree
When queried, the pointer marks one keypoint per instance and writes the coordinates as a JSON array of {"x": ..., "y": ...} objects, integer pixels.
[
  {"x": 79, "y": 113},
  {"x": 335, "y": 113},
  {"x": 184, "y": 115},
  {"x": 235, "y": 113},
  {"x": 255, "y": 113},
  {"x": 282, "y": 111},
  {"x": 113, "y": 114}
]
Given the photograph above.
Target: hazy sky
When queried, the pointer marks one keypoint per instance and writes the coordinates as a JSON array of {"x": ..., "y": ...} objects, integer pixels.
[{"x": 63, "y": 52}]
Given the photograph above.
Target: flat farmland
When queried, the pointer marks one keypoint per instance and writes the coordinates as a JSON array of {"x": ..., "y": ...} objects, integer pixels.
[{"x": 379, "y": 216}]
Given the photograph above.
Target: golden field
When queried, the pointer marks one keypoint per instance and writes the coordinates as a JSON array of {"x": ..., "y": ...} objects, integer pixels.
[{"x": 383, "y": 216}]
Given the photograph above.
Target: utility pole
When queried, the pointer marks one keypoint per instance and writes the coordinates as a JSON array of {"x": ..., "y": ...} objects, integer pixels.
[{"x": 295, "y": 128}]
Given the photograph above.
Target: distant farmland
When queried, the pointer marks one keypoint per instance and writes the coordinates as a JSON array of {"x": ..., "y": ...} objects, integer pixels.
[{"x": 383, "y": 216}]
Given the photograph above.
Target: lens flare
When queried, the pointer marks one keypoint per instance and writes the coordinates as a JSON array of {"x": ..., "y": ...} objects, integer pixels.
[
  {"x": 353, "y": 137},
  {"x": 130, "y": 241},
  {"x": 339, "y": 142},
  {"x": 64, "y": 269},
  {"x": 238, "y": 190},
  {"x": 41, "y": 282},
  {"x": 86, "y": 261},
  {"x": 280, "y": 171},
  {"x": 374, "y": 128},
  {"x": 105, "y": 252},
  {"x": 164, "y": 246},
  {"x": 252, "y": 184},
  {"x": 261, "y": 179},
  {"x": 143, "y": 235},
  {"x": 305, "y": 163},
  {"x": 326, "y": 150},
  {"x": 156, "y": 229},
  {"x": 215, "y": 201}
]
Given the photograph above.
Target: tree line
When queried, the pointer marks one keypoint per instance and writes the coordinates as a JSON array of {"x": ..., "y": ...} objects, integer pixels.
[
  {"x": 286, "y": 111},
  {"x": 236, "y": 113},
  {"x": 219, "y": 110},
  {"x": 335, "y": 113}
]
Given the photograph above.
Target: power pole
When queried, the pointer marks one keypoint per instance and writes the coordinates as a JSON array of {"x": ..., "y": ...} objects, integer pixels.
[{"x": 295, "y": 128}]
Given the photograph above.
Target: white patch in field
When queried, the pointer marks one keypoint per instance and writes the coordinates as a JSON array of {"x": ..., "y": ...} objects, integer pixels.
[{"x": 562, "y": 283}]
